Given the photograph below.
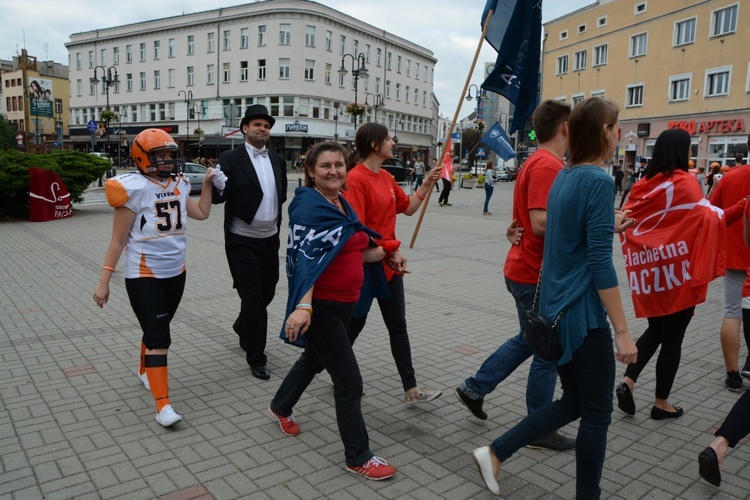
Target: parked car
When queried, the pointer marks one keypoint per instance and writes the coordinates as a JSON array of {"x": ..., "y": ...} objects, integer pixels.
[
  {"x": 103, "y": 155},
  {"x": 195, "y": 173},
  {"x": 505, "y": 174},
  {"x": 397, "y": 169}
]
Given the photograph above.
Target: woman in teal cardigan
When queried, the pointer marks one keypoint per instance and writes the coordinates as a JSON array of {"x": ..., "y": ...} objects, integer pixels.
[{"x": 579, "y": 280}]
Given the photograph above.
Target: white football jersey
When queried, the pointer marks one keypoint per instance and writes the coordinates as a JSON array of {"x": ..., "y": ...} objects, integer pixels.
[{"x": 156, "y": 243}]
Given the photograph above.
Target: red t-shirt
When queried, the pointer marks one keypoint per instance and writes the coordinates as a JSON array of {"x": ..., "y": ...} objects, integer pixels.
[
  {"x": 734, "y": 186},
  {"x": 531, "y": 191},
  {"x": 342, "y": 279}
]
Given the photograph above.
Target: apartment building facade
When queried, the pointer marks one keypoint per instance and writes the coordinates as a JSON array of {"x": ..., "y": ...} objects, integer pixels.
[
  {"x": 202, "y": 70},
  {"x": 666, "y": 63}
]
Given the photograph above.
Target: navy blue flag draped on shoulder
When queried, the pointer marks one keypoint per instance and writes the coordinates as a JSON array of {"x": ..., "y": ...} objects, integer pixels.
[
  {"x": 498, "y": 141},
  {"x": 515, "y": 31}
]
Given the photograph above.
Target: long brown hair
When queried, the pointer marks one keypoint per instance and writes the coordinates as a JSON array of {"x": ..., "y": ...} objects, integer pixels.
[{"x": 588, "y": 141}]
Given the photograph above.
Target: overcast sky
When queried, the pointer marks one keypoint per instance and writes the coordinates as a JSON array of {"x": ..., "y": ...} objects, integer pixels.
[{"x": 449, "y": 28}]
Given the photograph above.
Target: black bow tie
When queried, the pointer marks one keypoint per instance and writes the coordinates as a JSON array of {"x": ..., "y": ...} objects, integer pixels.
[{"x": 262, "y": 152}]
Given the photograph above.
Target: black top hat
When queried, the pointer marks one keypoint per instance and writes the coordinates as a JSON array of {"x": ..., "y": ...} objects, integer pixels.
[{"x": 256, "y": 111}]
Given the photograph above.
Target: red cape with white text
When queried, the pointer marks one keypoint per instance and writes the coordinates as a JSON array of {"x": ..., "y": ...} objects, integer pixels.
[
  {"x": 49, "y": 198},
  {"x": 676, "y": 247}
]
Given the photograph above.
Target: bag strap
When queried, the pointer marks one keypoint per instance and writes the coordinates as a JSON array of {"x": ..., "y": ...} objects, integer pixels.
[{"x": 536, "y": 296}]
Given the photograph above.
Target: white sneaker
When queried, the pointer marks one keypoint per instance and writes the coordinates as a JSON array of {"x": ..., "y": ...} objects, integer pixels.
[
  {"x": 484, "y": 464},
  {"x": 143, "y": 378},
  {"x": 167, "y": 417}
]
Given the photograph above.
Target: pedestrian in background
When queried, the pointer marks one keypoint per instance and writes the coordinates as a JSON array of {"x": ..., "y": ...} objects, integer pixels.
[
  {"x": 578, "y": 280},
  {"x": 151, "y": 211},
  {"x": 629, "y": 181},
  {"x": 489, "y": 185}
]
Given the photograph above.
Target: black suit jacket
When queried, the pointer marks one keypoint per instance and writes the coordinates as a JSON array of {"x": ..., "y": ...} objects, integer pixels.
[{"x": 242, "y": 194}]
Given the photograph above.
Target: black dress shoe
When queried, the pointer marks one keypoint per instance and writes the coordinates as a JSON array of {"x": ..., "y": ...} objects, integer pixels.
[
  {"x": 659, "y": 414},
  {"x": 243, "y": 346},
  {"x": 260, "y": 372},
  {"x": 708, "y": 466},
  {"x": 625, "y": 399},
  {"x": 474, "y": 405}
]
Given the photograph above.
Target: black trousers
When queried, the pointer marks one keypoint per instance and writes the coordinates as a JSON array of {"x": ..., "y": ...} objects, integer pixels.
[
  {"x": 667, "y": 331},
  {"x": 154, "y": 302},
  {"x": 254, "y": 263},
  {"x": 446, "y": 192}
]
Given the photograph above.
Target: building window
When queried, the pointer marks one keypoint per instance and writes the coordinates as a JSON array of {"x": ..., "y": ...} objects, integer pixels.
[
  {"x": 157, "y": 79},
  {"x": 309, "y": 69},
  {"x": 210, "y": 74},
  {"x": 601, "y": 22},
  {"x": 424, "y": 98},
  {"x": 416, "y": 70},
  {"x": 226, "y": 40},
  {"x": 634, "y": 96},
  {"x": 262, "y": 35},
  {"x": 170, "y": 77},
  {"x": 210, "y": 42},
  {"x": 638, "y": 44},
  {"x": 115, "y": 56},
  {"x": 329, "y": 40},
  {"x": 134, "y": 113},
  {"x": 388, "y": 89},
  {"x": 309, "y": 36},
  {"x": 244, "y": 38},
  {"x": 285, "y": 34},
  {"x": 190, "y": 45},
  {"x": 367, "y": 53},
  {"x": 341, "y": 80},
  {"x": 342, "y": 45},
  {"x": 79, "y": 87},
  {"x": 388, "y": 58},
  {"x": 103, "y": 57},
  {"x": 684, "y": 32},
  {"x": 226, "y": 72},
  {"x": 79, "y": 60},
  {"x": 562, "y": 65},
  {"x": 284, "y": 70},
  {"x": 143, "y": 80},
  {"x": 724, "y": 21},
  {"x": 425, "y": 73},
  {"x": 129, "y": 82},
  {"x": 128, "y": 54},
  {"x": 398, "y": 91},
  {"x": 576, "y": 98},
  {"x": 598, "y": 93},
  {"x": 378, "y": 56},
  {"x": 328, "y": 74},
  {"x": 581, "y": 57},
  {"x": 171, "y": 47},
  {"x": 717, "y": 81},
  {"x": 406, "y": 93},
  {"x": 408, "y": 67},
  {"x": 600, "y": 54},
  {"x": 355, "y": 46},
  {"x": 142, "y": 51},
  {"x": 679, "y": 88},
  {"x": 581, "y": 29},
  {"x": 640, "y": 8},
  {"x": 398, "y": 64},
  {"x": 416, "y": 96},
  {"x": 261, "y": 69},
  {"x": 190, "y": 76},
  {"x": 564, "y": 35},
  {"x": 157, "y": 49},
  {"x": 244, "y": 71}
]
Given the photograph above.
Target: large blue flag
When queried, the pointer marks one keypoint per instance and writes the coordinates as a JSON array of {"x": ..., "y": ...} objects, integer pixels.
[
  {"x": 498, "y": 141},
  {"x": 515, "y": 31}
]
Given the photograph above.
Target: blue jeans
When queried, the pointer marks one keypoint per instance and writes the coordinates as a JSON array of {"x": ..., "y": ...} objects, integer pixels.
[
  {"x": 418, "y": 181},
  {"x": 488, "y": 190},
  {"x": 587, "y": 382},
  {"x": 328, "y": 347},
  {"x": 540, "y": 387}
]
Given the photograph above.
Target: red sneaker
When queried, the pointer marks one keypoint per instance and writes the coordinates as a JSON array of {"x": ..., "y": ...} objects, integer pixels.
[
  {"x": 288, "y": 424},
  {"x": 376, "y": 469}
]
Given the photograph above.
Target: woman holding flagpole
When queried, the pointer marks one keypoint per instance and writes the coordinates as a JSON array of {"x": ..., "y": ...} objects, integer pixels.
[
  {"x": 677, "y": 246},
  {"x": 377, "y": 199}
]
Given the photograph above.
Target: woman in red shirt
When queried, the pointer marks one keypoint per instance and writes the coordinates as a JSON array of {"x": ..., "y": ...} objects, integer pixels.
[
  {"x": 377, "y": 198},
  {"x": 325, "y": 251}
]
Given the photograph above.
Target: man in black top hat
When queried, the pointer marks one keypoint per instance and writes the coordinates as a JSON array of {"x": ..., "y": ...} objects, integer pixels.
[{"x": 253, "y": 194}]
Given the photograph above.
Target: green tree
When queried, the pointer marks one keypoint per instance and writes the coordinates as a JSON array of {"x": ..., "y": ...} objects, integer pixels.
[{"x": 7, "y": 133}]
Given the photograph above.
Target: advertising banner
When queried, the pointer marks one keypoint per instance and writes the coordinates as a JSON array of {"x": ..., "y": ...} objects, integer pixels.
[{"x": 41, "y": 98}]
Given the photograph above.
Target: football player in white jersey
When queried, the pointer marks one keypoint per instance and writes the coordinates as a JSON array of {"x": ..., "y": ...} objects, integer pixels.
[{"x": 151, "y": 212}]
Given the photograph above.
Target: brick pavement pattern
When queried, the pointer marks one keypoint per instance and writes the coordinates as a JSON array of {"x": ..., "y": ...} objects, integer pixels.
[{"x": 75, "y": 422}]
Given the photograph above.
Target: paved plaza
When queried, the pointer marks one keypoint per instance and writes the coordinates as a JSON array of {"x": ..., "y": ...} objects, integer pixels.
[{"x": 75, "y": 422}]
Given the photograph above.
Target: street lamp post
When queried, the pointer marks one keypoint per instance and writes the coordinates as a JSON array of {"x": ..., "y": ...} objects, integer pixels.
[
  {"x": 377, "y": 100},
  {"x": 188, "y": 96},
  {"x": 479, "y": 93},
  {"x": 360, "y": 70},
  {"x": 107, "y": 80}
]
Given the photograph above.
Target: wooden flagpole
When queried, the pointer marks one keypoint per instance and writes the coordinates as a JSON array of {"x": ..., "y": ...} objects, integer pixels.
[{"x": 453, "y": 124}]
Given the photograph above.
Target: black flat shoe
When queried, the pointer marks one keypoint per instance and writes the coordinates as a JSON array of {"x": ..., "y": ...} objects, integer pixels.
[
  {"x": 260, "y": 372},
  {"x": 708, "y": 466},
  {"x": 474, "y": 405},
  {"x": 625, "y": 399},
  {"x": 659, "y": 414}
]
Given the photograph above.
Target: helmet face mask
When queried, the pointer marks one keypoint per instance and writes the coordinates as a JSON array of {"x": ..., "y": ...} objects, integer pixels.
[{"x": 155, "y": 154}]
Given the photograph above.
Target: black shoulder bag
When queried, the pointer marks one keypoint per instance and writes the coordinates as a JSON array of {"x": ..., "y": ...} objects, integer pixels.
[{"x": 540, "y": 333}]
